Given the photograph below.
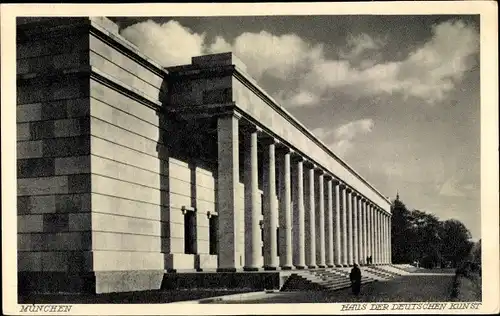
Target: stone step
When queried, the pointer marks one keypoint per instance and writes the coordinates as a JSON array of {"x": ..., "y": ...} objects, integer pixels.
[
  {"x": 344, "y": 282},
  {"x": 387, "y": 270},
  {"x": 394, "y": 270},
  {"x": 345, "y": 285},
  {"x": 374, "y": 276},
  {"x": 320, "y": 280},
  {"x": 379, "y": 272},
  {"x": 405, "y": 267}
]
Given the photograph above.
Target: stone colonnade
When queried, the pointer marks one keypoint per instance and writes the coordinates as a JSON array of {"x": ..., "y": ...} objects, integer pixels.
[{"x": 323, "y": 222}]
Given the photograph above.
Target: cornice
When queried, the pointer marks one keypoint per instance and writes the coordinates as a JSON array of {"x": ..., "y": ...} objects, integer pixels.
[
  {"x": 123, "y": 88},
  {"x": 127, "y": 48}
]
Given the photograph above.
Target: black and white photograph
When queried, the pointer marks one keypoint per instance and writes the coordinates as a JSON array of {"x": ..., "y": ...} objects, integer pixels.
[{"x": 250, "y": 158}]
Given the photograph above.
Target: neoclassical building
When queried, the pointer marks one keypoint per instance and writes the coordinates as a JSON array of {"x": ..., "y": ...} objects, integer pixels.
[{"x": 129, "y": 173}]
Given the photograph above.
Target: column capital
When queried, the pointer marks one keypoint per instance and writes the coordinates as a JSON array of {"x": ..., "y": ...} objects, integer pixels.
[
  {"x": 319, "y": 171},
  {"x": 283, "y": 148},
  {"x": 348, "y": 189},
  {"x": 267, "y": 139},
  {"x": 330, "y": 177},
  {"x": 231, "y": 113},
  {"x": 249, "y": 127},
  {"x": 309, "y": 164},
  {"x": 297, "y": 156}
]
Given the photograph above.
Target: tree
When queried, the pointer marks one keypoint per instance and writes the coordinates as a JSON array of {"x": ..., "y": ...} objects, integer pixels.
[
  {"x": 476, "y": 254},
  {"x": 456, "y": 244},
  {"x": 427, "y": 237},
  {"x": 401, "y": 233},
  {"x": 417, "y": 235}
]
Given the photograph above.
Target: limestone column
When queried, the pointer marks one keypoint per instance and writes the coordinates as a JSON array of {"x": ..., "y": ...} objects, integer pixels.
[
  {"x": 369, "y": 228},
  {"x": 343, "y": 226},
  {"x": 285, "y": 216},
  {"x": 299, "y": 213},
  {"x": 386, "y": 244},
  {"x": 379, "y": 234},
  {"x": 374, "y": 233},
  {"x": 355, "y": 236},
  {"x": 379, "y": 248},
  {"x": 386, "y": 231},
  {"x": 252, "y": 210},
  {"x": 350, "y": 245},
  {"x": 311, "y": 220},
  {"x": 383, "y": 243},
  {"x": 364, "y": 231},
  {"x": 329, "y": 223},
  {"x": 270, "y": 207},
  {"x": 390, "y": 239},
  {"x": 227, "y": 196},
  {"x": 360, "y": 230},
  {"x": 337, "y": 209},
  {"x": 320, "y": 227},
  {"x": 377, "y": 237}
]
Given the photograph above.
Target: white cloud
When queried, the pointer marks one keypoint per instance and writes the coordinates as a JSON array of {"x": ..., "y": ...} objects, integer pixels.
[
  {"x": 361, "y": 44},
  {"x": 304, "y": 98},
  {"x": 469, "y": 187},
  {"x": 169, "y": 43},
  {"x": 450, "y": 188},
  {"x": 220, "y": 45},
  {"x": 342, "y": 139},
  {"x": 276, "y": 56},
  {"x": 350, "y": 130},
  {"x": 430, "y": 72},
  {"x": 264, "y": 53},
  {"x": 323, "y": 133}
]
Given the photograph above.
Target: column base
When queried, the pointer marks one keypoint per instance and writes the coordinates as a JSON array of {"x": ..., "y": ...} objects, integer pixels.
[
  {"x": 251, "y": 269},
  {"x": 321, "y": 266},
  {"x": 338, "y": 266},
  {"x": 311, "y": 266},
  {"x": 330, "y": 265},
  {"x": 300, "y": 267},
  {"x": 286, "y": 268},
  {"x": 226, "y": 269},
  {"x": 268, "y": 268}
]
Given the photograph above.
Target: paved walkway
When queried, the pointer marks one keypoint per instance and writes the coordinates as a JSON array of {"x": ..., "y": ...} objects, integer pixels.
[{"x": 433, "y": 285}]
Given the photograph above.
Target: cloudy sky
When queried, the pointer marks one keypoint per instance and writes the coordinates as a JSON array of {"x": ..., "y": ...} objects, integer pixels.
[{"x": 397, "y": 97}]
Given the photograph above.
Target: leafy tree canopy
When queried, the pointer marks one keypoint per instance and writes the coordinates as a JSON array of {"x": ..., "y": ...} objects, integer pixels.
[{"x": 421, "y": 236}]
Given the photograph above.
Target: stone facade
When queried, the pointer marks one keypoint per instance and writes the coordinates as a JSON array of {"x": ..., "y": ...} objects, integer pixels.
[{"x": 128, "y": 171}]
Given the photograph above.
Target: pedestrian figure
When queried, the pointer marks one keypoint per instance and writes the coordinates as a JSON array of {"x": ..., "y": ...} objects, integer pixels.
[
  {"x": 355, "y": 277},
  {"x": 370, "y": 260}
]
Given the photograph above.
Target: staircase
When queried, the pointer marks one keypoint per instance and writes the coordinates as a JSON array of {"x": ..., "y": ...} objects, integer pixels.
[
  {"x": 380, "y": 274},
  {"x": 390, "y": 270},
  {"x": 329, "y": 279},
  {"x": 405, "y": 267}
]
